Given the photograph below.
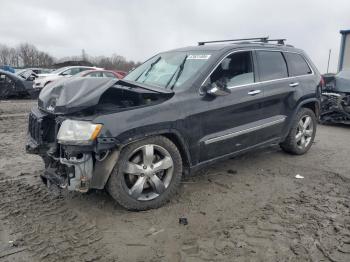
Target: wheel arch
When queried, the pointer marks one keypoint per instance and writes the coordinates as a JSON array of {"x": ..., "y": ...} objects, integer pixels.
[
  {"x": 310, "y": 103},
  {"x": 314, "y": 105}
]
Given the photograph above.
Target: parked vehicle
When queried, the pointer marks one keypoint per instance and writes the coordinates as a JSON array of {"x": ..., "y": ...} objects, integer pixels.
[
  {"x": 121, "y": 74},
  {"x": 7, "y": 68},
  {"x": 335, "y": 106},
  {"x": 99, "y": 73},
  {"x": 27, "y": 74},
  {"x": 12, "y": 85},
  {"x": 177, "y": 112},
  {"x": 45, "y": 79},
  {"x": 33, "y": 71}
]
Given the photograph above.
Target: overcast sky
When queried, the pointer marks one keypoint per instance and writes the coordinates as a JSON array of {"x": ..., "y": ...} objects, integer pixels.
[{"x": 138, "y": 29}]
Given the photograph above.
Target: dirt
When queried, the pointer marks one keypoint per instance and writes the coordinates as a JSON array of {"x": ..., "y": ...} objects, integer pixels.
[{"x": 249, "y": 208}]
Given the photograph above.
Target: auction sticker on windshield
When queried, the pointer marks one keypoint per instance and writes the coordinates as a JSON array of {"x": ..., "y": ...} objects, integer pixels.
[{"x": 199, "y": 57}]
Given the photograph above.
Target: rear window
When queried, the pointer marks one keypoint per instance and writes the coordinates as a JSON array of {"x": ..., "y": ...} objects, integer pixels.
[
  {"x": 271, "y": 65},
  {"x": 297, "y": 65}
]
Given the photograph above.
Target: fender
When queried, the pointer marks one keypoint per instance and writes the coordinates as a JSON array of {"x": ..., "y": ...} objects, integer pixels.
[
  {"x": 180, "y": 140},
  {"x": 103, "y": 170},
  {"x": 300, "y": 105}
]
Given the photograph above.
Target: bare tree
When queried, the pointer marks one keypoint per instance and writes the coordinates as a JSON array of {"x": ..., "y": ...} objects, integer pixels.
[
  {"x": 27, "y": 55},
  {"x": 4, "y": 54}
]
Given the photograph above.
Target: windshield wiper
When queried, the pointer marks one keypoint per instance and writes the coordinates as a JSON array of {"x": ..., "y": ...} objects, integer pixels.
[
  {"x": 146, "y": 71},
  {"x": 181, "y": 67}
]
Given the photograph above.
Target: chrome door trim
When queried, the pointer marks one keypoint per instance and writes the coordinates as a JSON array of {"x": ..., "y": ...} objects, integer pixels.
[
  {"x": 254, "y": 92},
  {"x": 294, "y": 84},
  {"x": 279, "y": 120}
]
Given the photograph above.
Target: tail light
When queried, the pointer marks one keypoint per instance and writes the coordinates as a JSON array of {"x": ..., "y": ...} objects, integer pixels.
[{"x": 322, "y": 82}]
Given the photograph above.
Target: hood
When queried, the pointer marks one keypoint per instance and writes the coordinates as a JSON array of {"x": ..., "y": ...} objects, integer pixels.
[{"x": 71, "y": 95}]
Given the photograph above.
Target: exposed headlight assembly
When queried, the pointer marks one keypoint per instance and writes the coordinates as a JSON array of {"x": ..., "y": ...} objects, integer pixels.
[{"x": 78, "y": 132}]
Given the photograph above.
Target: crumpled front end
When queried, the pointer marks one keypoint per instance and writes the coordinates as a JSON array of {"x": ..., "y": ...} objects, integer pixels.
[
  {"x": 75, "y": 167},
  {"x": 78, "y": 153},
  {"x": 335, "y": 108}
]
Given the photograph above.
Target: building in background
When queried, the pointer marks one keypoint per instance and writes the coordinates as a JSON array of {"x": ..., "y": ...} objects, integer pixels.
[{"x": 344, "y": 54}]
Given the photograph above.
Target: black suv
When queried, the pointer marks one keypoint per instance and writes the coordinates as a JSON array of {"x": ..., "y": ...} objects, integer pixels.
[{"x": 177, "y": 112}]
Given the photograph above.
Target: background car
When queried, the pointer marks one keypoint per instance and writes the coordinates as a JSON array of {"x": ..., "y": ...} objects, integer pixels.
[
  {"x": 335, "y": 106},
  {"x": 121, "y": 73},
  {"x": 35, "y": 70},
  {"x": 45, "y": 79},
  {"x": 12, "y": 85},
  {"x": 100, "y": 73}
]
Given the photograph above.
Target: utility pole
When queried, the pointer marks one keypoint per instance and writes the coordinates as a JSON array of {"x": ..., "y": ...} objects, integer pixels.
[{"x": 329, "y": 58}]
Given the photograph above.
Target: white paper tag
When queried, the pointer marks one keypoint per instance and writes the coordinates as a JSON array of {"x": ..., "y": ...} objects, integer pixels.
[{"x": 198, "y": 57}]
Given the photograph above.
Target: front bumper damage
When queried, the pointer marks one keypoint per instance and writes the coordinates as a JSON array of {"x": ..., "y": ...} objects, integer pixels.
[
  {"x": 80, "y": 173},
  {"x": 335, "y": 108},
  {"x": 70, "y": 167}
]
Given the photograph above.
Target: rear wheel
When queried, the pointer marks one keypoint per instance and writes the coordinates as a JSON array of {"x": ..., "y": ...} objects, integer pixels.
[
  {"x": 147, "y": 174},
  {"x": 302, "y": 133}
]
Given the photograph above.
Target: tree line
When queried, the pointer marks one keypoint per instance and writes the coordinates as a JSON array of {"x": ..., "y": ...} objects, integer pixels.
[{"x": 28, "y": 55}]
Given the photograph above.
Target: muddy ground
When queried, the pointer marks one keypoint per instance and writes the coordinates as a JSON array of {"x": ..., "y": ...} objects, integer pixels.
[{"x": 250, "y": 208}]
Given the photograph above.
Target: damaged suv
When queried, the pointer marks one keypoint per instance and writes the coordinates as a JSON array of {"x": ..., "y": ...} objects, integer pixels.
[
  {"x": 177, "y": 112},
  {"x": 335, "y": 106}
]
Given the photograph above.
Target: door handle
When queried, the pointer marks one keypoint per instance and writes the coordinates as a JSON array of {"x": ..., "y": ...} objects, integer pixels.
[
  {"x": 254, "y": 92},
  {"x": 294, "y": 84}
]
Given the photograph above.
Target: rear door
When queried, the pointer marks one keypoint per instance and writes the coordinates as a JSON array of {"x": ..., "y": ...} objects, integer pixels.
[{"x": 279, "y": 93}]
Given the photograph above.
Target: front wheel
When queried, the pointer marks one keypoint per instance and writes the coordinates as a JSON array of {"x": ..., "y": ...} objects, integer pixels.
[
  {"x": 302, "y": 133},
  {"x": 147, "y": 174}
]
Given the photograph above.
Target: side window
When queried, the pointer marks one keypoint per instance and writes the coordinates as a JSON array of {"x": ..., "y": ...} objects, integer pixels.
[
  {"x": 81, "y": 69},
  {"x": 234, "y": 70},
  {"x": 271, "y": 65},
  {"x": 297, "y": 65},
  {"x": 67, "y": 72},
  {"x": 108, "y": 74},
  {"x": 95, "y": 74}
]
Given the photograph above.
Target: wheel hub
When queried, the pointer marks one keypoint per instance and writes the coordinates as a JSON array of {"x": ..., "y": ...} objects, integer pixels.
[{"x": 148, "y": 171}]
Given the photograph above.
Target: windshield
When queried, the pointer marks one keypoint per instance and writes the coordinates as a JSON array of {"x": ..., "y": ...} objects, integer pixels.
[{"x": 171, "y": 69}]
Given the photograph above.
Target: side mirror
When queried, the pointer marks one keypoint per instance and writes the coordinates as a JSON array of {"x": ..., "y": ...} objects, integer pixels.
[
  {"x": 65, "y": 74},
  {"x": 215, "y": 90}
]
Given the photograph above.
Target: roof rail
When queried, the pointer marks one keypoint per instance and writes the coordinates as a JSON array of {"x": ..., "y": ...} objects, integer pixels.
[
  {"x": 279, "y": 41},
  {"x": 255, "y": 39},
  {"x": 260, "y": 39}
]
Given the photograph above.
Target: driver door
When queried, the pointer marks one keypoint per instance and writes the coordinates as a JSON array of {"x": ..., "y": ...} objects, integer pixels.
[{"x": 230, "y": 123}]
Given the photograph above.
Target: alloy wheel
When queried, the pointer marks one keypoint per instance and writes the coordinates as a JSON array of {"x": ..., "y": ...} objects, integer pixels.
[
  {"x": 148, "y": 172},
  {"x": 304, "y": 132}
]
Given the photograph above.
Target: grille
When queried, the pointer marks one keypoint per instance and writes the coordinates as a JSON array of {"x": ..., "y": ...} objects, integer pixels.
[
  {"x": 34, "y": 128},
  {"x": 41, "y": 127}
]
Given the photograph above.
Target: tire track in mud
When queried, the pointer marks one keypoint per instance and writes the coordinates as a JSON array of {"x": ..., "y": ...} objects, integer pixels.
[
  {"x": 311, "y": 225},
  {"x": 46, "y": 227}
]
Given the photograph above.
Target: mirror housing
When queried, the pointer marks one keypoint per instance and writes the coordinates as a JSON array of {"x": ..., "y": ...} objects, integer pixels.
[{"x": 215, "y": 90}]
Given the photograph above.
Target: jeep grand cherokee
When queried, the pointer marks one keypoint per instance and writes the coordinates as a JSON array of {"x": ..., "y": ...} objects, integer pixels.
[{"x": 177, "y": 112}]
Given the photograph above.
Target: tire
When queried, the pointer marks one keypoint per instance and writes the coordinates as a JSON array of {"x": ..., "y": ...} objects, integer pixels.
[
  {"x": 293, "y": 143},
  {"x": 136, "y": 190}
]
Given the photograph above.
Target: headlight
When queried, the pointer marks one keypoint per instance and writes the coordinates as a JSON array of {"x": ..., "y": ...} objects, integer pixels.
[{"x": 78, "y": 132}]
